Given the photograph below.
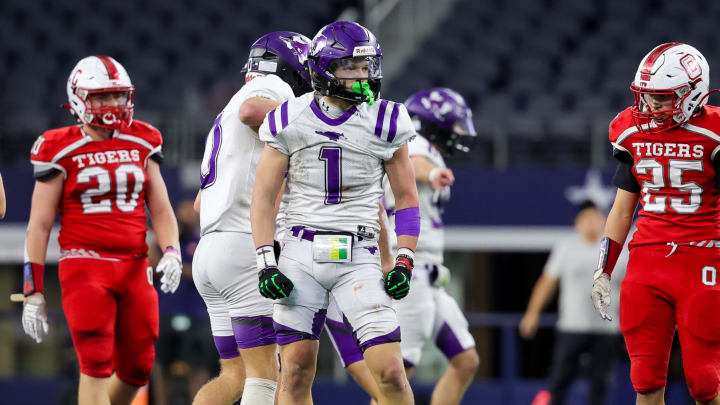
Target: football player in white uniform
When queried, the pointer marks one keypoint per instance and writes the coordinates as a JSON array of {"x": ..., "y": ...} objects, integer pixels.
[
  {"x": 336, "y": 144},
  {"x": 441, "y": 117},
  {"x": 224, "y": 263}
]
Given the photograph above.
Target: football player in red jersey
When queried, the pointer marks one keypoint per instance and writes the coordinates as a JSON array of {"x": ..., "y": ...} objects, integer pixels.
[
  {"x": 667, "y": 144},
  {"x": 99, "y": 175}
]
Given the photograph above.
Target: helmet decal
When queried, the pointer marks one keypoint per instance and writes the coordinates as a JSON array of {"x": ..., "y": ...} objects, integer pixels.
[
  {"x": 284, "y": 54},
  {"x": 112, "y": 71},
  {"x": 691, "y": 66}
]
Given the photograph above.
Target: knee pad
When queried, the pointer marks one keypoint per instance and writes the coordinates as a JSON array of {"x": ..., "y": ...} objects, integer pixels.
[
  {"x": 94, "y": 352},
  {"x": 136, "y": 371},
  {"x": 647, "y": 374},
  {"x": 646, "y": 380},
  {"x": 703, "y": 383}
]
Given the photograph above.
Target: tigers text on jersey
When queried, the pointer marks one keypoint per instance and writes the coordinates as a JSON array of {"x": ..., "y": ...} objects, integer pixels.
[
  {"x": 675, "y": 171},
  {"x": 431, "y": 242},
  {"x": 232, "y": 151},
  {"x": 336, "y": 164},
  {"x": 103, "y": 200}
]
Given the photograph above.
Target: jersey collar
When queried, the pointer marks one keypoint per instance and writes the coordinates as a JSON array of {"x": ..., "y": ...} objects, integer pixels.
[{"x": 331, "y": 121}]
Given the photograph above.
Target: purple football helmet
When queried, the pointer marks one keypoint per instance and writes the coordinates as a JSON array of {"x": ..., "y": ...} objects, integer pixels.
[
  {"x": 282, "y": 53},
  {"x": 442, "y": 116},
  {"x": 345, "y": 51}
]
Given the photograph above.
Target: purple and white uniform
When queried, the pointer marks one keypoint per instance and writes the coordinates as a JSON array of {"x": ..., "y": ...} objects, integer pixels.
[
  {"x": 334, "y": 178},
  {"x": 428, "y": 312},
  {"x": 224, "y": 266}
]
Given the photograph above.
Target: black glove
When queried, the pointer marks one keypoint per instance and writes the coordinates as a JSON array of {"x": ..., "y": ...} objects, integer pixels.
[
  {"x": 397, "y": 281},
  {"x": 273, "y": 284}
]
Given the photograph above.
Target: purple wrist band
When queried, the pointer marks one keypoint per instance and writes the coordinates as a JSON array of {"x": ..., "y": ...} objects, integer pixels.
[{"x": 407, "y": 221}]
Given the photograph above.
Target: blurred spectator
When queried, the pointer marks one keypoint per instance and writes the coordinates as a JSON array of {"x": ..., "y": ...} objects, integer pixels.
[
  {"x": 185, "y": 350},
  {"x": 580, "y": 330}
]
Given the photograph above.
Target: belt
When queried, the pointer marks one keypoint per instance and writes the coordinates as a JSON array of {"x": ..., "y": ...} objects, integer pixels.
[
  {"x": 299, "y": 231},
  {"x": 303, "y": 233}
]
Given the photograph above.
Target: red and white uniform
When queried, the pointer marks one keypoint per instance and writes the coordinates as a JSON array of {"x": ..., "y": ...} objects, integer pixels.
[
  {"x": 680, "y": 197},
  {"x": 671, "y": 279},
  {"x": 107, "y": 292},
  {"x": 103, "y": 201}
]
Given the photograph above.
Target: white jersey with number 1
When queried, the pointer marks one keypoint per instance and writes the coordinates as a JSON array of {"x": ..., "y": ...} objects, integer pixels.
[
  {"x": 232, "y": 151},
  {"x": 336, "y": 164}
]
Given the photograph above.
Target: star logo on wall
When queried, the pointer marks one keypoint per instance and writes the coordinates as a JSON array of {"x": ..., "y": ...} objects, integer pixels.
[{"x": 593, "y": 190}]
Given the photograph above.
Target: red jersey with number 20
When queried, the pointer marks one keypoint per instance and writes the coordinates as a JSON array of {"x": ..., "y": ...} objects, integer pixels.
[
  {"x": 103, "y": 201},
  {"x": 674, "y": 169}
]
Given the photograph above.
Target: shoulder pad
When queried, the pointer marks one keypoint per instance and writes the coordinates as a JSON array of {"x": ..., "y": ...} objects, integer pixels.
[
  {"x": 621, "y": 123},
  {"x": 142, "y": 133},
  {"x": 52, "y": 144}
]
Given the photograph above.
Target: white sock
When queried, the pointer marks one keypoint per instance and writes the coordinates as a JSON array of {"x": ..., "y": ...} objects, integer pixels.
[{"x": 258, "y": 391}]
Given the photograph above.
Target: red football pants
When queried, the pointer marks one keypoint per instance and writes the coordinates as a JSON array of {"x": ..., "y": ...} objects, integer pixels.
[
  {"x": 112, "y": 310},
  {"x": 661, "y": 293}
]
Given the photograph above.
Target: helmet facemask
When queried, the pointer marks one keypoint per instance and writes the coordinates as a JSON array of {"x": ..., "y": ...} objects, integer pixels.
[
  {"x": 355, "y": 79},
  {"x": 111, "y": 117},
  {"x": 651, "y": 121},
  {"x": 449, "y": 141}
]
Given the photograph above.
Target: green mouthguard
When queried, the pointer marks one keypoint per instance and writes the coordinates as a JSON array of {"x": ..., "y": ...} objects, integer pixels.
[{"x": 364, "y": 89}]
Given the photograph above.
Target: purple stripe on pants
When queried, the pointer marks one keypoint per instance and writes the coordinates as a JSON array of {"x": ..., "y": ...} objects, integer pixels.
[
  {"x": 318, "y": 322},
  {"x": 380, "y": 118},
  {"x": 393, "y": 336},
  {"x": 447, "y": 342},
  {"x": 393, "y": 122},
  {"x": 285, "y": 335},
  {"x": 253, "y": 331},
  {"x": 226, "y": 346},
  {"x": 342, "y": 334}
]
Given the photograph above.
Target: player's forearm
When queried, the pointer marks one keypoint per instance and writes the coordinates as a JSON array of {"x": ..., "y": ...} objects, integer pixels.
[
  {"x": 262, "y": 220},
  {"x": 542, "y": 294},
  {"x": 268, "y": 182},
  {"x": 161, "y": 212},
  {"x": 621, "y": 216},
  {"x": 252, "y": 112},
  {"x": 166, "y": 226},
  {"x": 45, "y": 200},
  {"x": 422, "y": 168},
  {"x": 36, "y": 242},
  {"x": 3, "y": 205}
]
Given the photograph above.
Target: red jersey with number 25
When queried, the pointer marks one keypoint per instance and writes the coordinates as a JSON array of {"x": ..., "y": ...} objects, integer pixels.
[
  {"x": 675, "y": 172},
  {"x": 103, "y": 201}
]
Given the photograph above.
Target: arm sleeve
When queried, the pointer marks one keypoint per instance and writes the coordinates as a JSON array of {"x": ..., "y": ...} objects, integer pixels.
[
  {"x": 405, "y": 131},
  {"x": 624, "y": 177},
  {"x": 420, "y": 147},
  {"x": 273, "y": 136},
  {"x": 270, "y": 87},
  {"x": 41, "y": 157}
]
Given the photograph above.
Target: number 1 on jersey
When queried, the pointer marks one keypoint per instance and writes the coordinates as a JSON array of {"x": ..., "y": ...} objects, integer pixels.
[{"x": 332, "y": 156}]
